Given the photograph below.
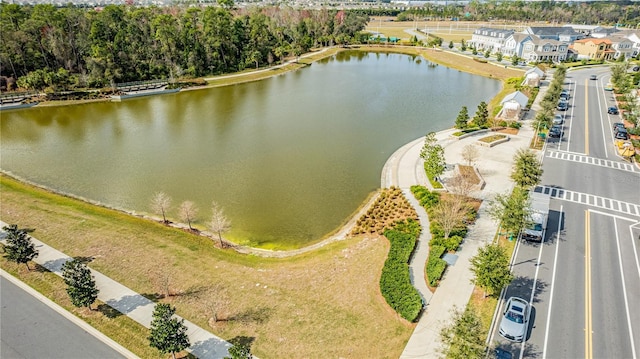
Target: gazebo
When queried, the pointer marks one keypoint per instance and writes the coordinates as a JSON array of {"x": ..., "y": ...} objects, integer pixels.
[{"x": 512, "y": 106}]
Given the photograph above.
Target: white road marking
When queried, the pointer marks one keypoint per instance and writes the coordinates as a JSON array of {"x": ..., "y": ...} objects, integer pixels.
[
  {"x": 624, "y": 291},
  {"x": 591, "y": 200},
  {"x": 568, "y": 156}
]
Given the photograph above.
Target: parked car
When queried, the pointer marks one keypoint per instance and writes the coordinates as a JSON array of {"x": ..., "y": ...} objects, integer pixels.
[
  {"x": 564, "y": 95},
  {"x": 636, "y": 68},
  {"x": 563, "y": 106},
  {"x": 593, "y": 77},
  {"x": 617, "y": 126},
  {"x": 612, "y": 110},
  {"x": 515, "y": 319},
  {"x": 558, "y": 119},
  {"x": 609, "y": 87},
  {"x": 555, "y": 131},
  {"x": 622, "y": 134}
]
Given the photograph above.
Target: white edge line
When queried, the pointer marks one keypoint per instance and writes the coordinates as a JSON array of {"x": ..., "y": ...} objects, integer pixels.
[
  {"x": 635, "y": 250},
  {"x": 553, "y": 282},
  {"x": 624, "y": 291},
  {"x": 572, "y": 85},
  {"x": 69, "y": 316}
]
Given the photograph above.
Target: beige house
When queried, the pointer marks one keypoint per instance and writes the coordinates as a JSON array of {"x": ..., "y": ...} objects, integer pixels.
[
  {"x": 595, "y": 49},
  {"x": 538, "y": 49}
]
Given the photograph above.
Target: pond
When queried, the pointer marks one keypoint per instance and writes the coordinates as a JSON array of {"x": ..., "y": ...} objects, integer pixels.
[{"x": 289, "y": 158}]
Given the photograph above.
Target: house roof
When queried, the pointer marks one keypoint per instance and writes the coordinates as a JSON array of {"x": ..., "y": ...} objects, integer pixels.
[
  {"x": 534, "y": 70},
  {"x": 516, "y": 96},
  {"x": 519, "y": 37},
  {"x": 594, "y": 40},
  {"x": 552, "y": 30},
  {"x": 491, "y": 31}
]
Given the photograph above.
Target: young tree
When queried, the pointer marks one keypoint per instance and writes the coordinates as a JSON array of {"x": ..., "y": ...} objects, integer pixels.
[
  {"x": 470, "y": 154},
  {"x": 514, "y": 60},
  {"x": 188, "y": 212},
  {"x": 433, "y": 155},
  {"x": 511, "y": 210},
  {"x": 482, "y": 115},
  {"x": 499, "y": 56},
  {"x": 450, "y": 44},
  {"x": 167, "y": 334},
  {"x": 449, "y": 213},
  {"x": 487, "y": 53},
  {"x": 241, "y": 348},
  {"x": 160, "y": 203},
  {"x": 80, "y": 284},
  {"x": 490, "y": 268},
  {"x": 527, "y": 169},
  {"x": 219, "y": 223},
  {"x": 19, "y": 247},
  {"x": 463, "y": 45},
  {"x": 463, "y": 184},
  {"x": 464, "y": 337},
  {"x": 462, "y": 120},
  {"x": 474, "y": 51}
]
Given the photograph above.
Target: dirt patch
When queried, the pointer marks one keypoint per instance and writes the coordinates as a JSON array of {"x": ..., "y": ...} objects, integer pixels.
[
  {"x": 470, "y": 173},
  {"x": 508, "y": 130}
]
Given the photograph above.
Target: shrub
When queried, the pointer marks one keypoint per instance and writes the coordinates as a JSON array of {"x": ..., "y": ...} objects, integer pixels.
[
  {"x": 426, "y": 198},
  {"x": 395, "y": 281},
  {"x": 515, "y": 124},
  {"x": 450, "y": 244},
  {"x": 435, "y": 270},
  {"x": 502, "y": 123}
]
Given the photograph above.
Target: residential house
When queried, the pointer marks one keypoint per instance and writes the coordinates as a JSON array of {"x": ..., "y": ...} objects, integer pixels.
[
  {"x": 595, "y": 49},
  {"x": 537, "y": 49},
  {"x": 586, "y": 30},
  {"x": 488, "y": 38},
  {"x": 622, "y": 46},
  {"x": 514, "y": 44},
  {"x": 561, "y": 33},
  {"x": 632, "y": 35}
]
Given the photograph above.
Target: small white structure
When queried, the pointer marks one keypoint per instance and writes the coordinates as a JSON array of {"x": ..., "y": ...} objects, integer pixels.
[
  {"x": 533, "y": 77},
  {"x": 512, "y": 106}
]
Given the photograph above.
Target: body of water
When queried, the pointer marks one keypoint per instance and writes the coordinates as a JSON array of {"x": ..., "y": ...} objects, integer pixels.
[{"x": 288, "y": 158}]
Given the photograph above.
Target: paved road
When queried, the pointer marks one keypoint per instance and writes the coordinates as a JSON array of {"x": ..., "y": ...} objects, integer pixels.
[
  {"x": 584, "y": 280},
  {"x": 32, "y": 330}
]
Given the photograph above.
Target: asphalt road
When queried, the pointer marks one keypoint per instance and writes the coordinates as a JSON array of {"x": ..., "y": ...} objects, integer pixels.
[
  {"x": 29, "y": 329},
  {"x": 586, "y": 274}
]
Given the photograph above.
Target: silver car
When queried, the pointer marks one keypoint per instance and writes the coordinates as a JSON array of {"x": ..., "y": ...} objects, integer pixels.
[
  {"x": 515, "y": 319},
  {"x": 558, "y": 120}
]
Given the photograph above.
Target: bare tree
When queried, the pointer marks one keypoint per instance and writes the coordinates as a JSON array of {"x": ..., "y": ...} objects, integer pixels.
[
  {"x": 188, "y": 212},
  {"x": 463, "y": 184},
  {"x": 160, "y": 203},
  {"x": 219, "y": 223},
  {"x": 449, "y": 213},
  {"x": 470, "y": 154}
]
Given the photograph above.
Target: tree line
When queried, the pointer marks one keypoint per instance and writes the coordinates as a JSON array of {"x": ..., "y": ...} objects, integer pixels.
[{"x": 70, "y": 47}]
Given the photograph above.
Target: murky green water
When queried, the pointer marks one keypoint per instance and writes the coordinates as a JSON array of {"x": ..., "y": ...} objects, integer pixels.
[{"x": 288, "y": 158}]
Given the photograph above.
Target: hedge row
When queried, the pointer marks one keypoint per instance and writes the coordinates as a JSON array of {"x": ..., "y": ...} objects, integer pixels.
[
  {"x": 435, "y": 265},
  {"x": 395, "y": 281}
]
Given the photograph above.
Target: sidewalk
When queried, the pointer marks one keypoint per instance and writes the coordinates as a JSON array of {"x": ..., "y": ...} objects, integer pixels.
[
  {"x": 135, "y": 306},
  {"x": 404, "y": 169}
]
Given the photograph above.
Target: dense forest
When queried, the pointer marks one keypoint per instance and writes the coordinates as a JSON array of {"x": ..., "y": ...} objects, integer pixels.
[
  {"x": 67, "y": 47},
  {"x": 45, "y": 46}
]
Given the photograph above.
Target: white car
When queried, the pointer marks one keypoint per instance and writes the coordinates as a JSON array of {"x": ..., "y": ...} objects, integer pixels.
[
  {"x": 558, "y": 120},
  {"x": 515, "y": 319}
]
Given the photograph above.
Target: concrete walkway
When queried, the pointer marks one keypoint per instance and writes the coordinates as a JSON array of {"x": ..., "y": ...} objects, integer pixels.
[
  {"x": 404, "y": 169},
  {"x": 135, "y": 306}
]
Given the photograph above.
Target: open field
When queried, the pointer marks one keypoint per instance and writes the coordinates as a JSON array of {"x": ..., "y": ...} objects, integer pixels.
[{"x": 321, "y": 304}]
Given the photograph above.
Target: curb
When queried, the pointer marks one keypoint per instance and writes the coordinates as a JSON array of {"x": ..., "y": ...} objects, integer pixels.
[{"x": 74, "y": 319}]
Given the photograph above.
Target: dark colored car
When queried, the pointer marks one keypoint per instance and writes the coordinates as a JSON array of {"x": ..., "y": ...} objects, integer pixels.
[
  {"x": 636, "y": 68},
  {"x": 612, "y": 110},
  {"x": 622, "y": 135},
  {"x": 564, "y": 95},
  {"x": 593, "y": 77},
  {"x": 618, "y": 125},
  {"x": 555, "y": 132},
  {"x": 563, "y": 106}
]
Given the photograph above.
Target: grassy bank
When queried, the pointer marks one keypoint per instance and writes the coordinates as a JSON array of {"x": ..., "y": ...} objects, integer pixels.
[{"x": 316, "y": 305}]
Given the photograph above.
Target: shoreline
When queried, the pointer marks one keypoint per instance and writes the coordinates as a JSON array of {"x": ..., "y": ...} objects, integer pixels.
[{"x": 341, "y": 232}]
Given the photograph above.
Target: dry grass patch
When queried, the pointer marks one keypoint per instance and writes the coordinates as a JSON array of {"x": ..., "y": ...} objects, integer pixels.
[
  {"x": 469, "y": 173},
  {"x": 326, "y": 303}
]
